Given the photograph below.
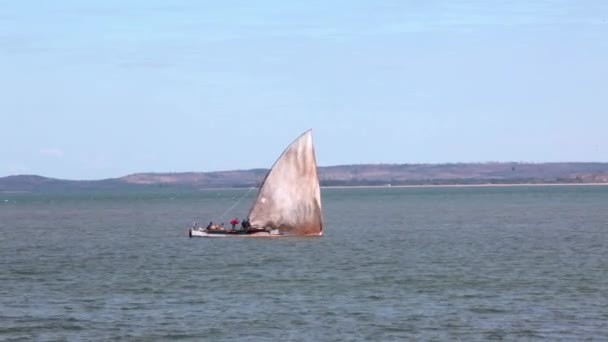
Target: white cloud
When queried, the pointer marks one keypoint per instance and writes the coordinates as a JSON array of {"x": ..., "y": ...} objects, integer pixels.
[{"x": 53, "y": 152}]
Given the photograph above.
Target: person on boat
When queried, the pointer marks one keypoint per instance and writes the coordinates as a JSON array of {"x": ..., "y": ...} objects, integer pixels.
[
  {"x": 222, "y": 226},
  {"x": 245, "y": 224},
  {"x": 194, "y": 225},
  {"x": 210, "y": 225},
  {"x": 234, "y": 222}
]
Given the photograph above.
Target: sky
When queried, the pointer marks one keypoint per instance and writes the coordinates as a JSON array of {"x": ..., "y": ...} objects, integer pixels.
[{"x": 105, "y": 88}]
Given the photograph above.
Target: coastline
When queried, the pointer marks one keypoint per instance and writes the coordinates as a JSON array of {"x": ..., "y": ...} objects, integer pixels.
[{"x": 485, "y": 185}]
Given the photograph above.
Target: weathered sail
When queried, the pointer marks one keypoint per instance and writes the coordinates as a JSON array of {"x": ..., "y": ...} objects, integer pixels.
[{"x": 289, "y": 199}]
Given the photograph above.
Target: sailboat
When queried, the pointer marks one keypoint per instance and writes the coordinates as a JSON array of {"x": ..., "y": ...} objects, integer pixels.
[{"x": 288, "y": 201}]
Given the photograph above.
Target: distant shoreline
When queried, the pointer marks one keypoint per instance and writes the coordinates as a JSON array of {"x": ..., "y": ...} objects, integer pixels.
[
  {"x": 359, "y": 176},
  {"x": 463, "y": 185},
  {"x": 486, "y": 185}
]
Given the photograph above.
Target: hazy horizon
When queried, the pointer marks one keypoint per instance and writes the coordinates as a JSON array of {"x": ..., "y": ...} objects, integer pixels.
[
  {"x": 320, "y": 166},
  {"x": 103, "y": 89}
]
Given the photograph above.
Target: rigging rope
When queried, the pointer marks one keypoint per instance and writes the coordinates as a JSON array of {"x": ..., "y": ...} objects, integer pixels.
[{"x": 237, "y": 202}]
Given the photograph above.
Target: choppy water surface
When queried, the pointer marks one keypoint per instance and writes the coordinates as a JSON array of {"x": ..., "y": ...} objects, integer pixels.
[{"x": 395, "y": 263}]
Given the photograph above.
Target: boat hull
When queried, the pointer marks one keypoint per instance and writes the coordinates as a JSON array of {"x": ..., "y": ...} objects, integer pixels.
[{"x": 233, "y": 233}]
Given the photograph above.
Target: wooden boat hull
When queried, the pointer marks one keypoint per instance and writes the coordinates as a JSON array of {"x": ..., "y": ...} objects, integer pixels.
[{"x": 233, "y": 233}]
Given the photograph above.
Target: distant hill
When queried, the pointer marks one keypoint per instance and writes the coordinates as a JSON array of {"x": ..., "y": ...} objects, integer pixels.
[
  {"x": 342, "y": 175},
  {"x": 465, "y": 173}
]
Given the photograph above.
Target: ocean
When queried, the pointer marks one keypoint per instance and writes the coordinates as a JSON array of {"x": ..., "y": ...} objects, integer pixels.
[{"x": 443, "y": 263}]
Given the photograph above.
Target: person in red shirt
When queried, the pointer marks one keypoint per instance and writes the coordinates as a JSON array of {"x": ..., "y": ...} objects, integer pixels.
[{"x": 234, "y": 222}]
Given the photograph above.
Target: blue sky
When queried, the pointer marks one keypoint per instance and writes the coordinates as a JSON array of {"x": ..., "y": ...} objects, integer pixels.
[{"x": 98, "y": 89}]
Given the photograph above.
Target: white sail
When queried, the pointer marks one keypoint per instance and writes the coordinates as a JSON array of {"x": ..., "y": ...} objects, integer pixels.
[{"x": 289, "y": 198}]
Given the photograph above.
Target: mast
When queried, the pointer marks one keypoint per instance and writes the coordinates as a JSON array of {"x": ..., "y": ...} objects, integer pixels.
[{"x": 289, "y": 198}]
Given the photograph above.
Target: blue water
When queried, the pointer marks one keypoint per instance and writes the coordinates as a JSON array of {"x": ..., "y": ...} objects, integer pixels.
[{"x": 478, "y": 263}]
